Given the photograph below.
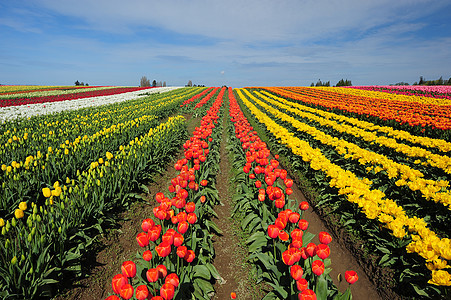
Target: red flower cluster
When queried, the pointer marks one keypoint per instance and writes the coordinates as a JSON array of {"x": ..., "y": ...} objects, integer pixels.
[
  {"x": 205, "y": 99},
  {"x": 188, "y": 101}
]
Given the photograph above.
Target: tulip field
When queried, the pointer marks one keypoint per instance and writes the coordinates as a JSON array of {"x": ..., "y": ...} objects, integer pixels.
[{"x": 375, "y": 160}]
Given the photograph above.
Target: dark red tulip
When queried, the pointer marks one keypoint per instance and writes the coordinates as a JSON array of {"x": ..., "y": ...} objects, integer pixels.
[
  {"x": 190, "y": 255},
  {"x": 311, "y": 249},
  {"x": 162, "y": 271},
  {"x": 351, "y": 277}
]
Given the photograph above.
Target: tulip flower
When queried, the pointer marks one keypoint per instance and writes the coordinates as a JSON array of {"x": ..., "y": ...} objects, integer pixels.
[
  {"x": 163, "y": 249},
  {"x": 128, "y": 269},
  {"x": 302, "y": 284},
  {"x": 311, "y": 249},
  {"x": 289, "y": 256},
  {"x": 182, "y": 227},
  {"x": 147, "y": 224},
  {"x": 294, "y": 217},
  {"x": 152, "y": 275},
  {"x": 296, "y": 272},
  {"x": 162, "y": 271},
  {"x": 307, "y": 295},
  {"x": 323, "y": 251},
  {"x": 190, "y": 207},
  {"x": 324, "y": 237},
  {"x": 182, "y": 251},
  {"x": 118, "y": 282},
  {"x": 192, "y": 218},
  {"x": 154, "y": 233},
  {"x": 18, "y": 213},
  {"x": 23, "y": 205},
  {"x": 147, "y": 255},
  {"x": 113, "y": 297},
  {"x": 303, "y": 224},
  {"x": 283, "y": 235},
  {"x": 190, "y": 255},
  {"x": 126, "y": 291},
  {"x": 172, "y": 279},
  {"x": 167, "y": 291},
  {"x": 178, "y": 239},
  {"x": 303, "y": 205},
  {"x": 232, "y": 295},
  {"x": 273, "y": 231},
  {"x": 318, "y": 267},
  {"x": 351, "y": 277},
  {"x": 142, "y": 292},
  {"x": 142, "y": 239}
]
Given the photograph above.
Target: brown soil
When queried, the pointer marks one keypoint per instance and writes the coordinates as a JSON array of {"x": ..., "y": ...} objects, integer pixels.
[{"x": 230, "y": 259}]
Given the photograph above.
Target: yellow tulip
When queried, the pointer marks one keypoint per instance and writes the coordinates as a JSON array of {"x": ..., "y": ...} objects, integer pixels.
[
  {"x": 2, "y": 222},
  {"x": 18, "y": 213},
  {"x": 23, "y": 205},
  {"x": 47, "y": 193}
]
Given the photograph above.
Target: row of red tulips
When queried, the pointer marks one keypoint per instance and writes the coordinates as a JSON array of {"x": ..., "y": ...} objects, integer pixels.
[
  {"x": 176, "y": 261},
  {"x": 79, "y": 95}
]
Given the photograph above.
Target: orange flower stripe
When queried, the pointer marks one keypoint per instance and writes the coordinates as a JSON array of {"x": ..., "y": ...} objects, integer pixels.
[{"x": 412, "y": 113}]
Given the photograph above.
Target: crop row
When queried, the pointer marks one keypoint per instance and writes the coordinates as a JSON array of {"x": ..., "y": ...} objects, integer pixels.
[{"x": 338, "y": 176}]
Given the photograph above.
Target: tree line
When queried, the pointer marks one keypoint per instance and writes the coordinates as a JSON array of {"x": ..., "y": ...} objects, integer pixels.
[
  {"x": 342, "y": 82},
  {"x": 144, "y": 82}
]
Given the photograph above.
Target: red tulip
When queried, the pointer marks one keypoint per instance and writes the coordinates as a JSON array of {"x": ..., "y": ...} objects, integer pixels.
[
  {"x": 307, "y": 295},
  {"x": 280, "y": 223},
  {"x": 304, "y": 253},
  {"x": 311, "y": 249},
  {"x": 142, "y": 292},
  {"x": 288, "y": 182},
  {"x": 162, "y": 271},
  {"x": 113, "y": 297},
  {"x": 119, "y": 281},
  {"x": 163, "y": 249},
  {"x": 172, "y": 279},
  {"x": 324, "y": 237},
  {"x": 203, "y": 199},
  {"x": 283, "y": 235},
  {"x": 297, "y": 243},
  {"x": 178, "y": 239},
  {"x": 142, "y": 239},
  {"x": 192, "y": 218},
  {"x": 159, "y": 197},
  {"x": 304, "y": 205},
  {"x": 294, "y": 217},
  {"x": 190, "y": 255},
  {"x": 126, "y": 291},
  {"x": 152, "y": 275},
  {"x": 289, "y": 191},
  {"x": 289, "y": 256},
  {"x": 318, "y": 267},
  {"x": 279, "y": 203},
  {"x": 154, "y": 233},
  {"x": 168, "y": 237},
  {"x": 273, "y": 231},
  {"x": 302, "y": 284},
  {"x": 232, "y": 295},
  {"x": 351, "y": 277},
  {"x": 296, "y": 272},
  {"x": 157, "y": 298},
  {"x": 190, "y": 207},
  {"x": 323, "y": 251},
  {"x": 182, "y": 227},
  {"x": 258, "y": 184},
  {"x": 147, "y": 255},
  {"x": 296, "y": 233},
  {"x": 303, "y": 224},
  {"x": 203, "y": 182},
  {"x": 129, "y": 269},
  {"x": 147, "y": 224},
  {"x": 167, "y": 291},
  {"x": 181, "y": 251},
  {"x": 261, "y": 197}
]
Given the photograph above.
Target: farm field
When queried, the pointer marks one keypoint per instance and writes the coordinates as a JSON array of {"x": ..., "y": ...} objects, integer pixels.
[{"x": 219, "y": 193}]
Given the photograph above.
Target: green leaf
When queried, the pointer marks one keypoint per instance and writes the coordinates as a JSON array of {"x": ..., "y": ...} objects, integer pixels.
[
  {"x": 419, "y": 290},
  {"x": 202, "y": 272},
  {"x": 321, "y": 287}
]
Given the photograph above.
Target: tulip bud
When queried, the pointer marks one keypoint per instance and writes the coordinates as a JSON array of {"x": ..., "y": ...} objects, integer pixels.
[
  {"x": 29, "y": 238},
  {"x": 14, "y": 260},
  {"x": 13, "y": 222},
  {"x": 3, "y": 230}
]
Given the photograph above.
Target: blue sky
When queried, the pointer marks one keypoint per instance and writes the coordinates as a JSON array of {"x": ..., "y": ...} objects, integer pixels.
[{"x": 213, "y": 42}]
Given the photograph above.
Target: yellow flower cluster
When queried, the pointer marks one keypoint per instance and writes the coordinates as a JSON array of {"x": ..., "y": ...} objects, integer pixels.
[
  {"x": 358, "y": 191},
  {"x": 425, "y": 142},
  {"x": 414, "y": 179}
]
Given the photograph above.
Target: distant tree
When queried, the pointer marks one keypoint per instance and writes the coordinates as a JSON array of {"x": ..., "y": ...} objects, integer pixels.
[
  {"x": 164, "y": 83},
  {"x": 312, "y": 84},
  {"x": 86, "y": 84},
  {"x": 190, "y": 83},
  {"x": 77, "y": 83},
  {"x": 421, "y": 82},
  {"x": 144, "y": 82},
  {"x": 154, "y": 83},
  {"x": 401, "y": 83},
  {"x": 82, "y": 84},
  {"x": 344, "y": 82}
]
